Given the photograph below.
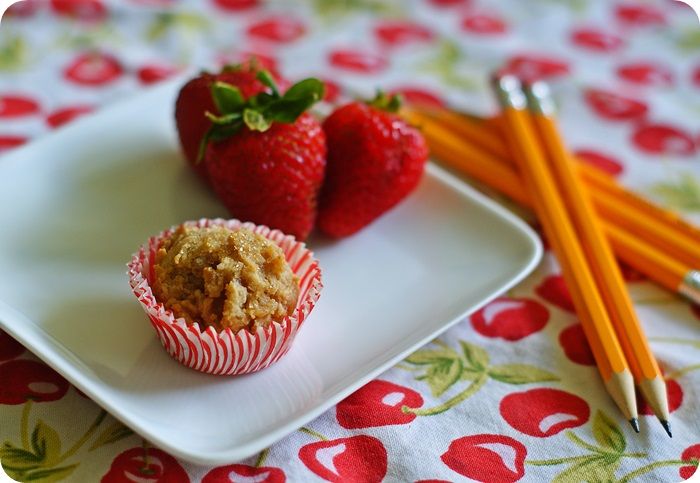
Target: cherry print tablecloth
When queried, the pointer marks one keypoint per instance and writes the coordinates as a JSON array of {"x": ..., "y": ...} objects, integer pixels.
[{"x": 509, "y": 394}]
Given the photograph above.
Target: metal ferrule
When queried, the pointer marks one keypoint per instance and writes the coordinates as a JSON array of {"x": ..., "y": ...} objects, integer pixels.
[
  {"x": 509, "y": 92},
  {"x": 690, "y": 286},
  {"x": 539, "y": 98}
]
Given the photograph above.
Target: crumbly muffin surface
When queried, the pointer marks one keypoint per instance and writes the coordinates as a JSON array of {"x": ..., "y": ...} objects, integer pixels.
[{"x": 224, "y": 278}]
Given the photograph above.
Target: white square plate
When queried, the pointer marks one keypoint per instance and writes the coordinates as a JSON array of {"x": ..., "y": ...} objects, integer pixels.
[{"x": 76, "y": 204}]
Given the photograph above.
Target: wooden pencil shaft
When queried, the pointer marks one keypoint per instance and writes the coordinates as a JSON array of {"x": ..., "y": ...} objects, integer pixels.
[
  {"x": 636, "y": 209},
  {"x": 493, "y": 171},
  {"x": 558, "y": 226},
  {"x": 598, "y": 252}
]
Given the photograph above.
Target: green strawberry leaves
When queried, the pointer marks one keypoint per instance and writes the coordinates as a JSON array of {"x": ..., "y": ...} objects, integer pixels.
[
  {"x": 258, "y": 112},
  {"x": 386, "y": 103}
]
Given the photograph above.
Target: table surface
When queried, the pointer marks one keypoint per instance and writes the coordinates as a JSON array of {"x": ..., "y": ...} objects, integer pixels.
[{"x": 626, "y": 76}]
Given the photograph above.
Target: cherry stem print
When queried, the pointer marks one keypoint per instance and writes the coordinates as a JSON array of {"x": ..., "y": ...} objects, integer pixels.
[
  {"x": 313, "y": 433},
  {"x": 675, "y": 340},
  {"x": 604, "y": 458},
  {"x": 262, "y": 457},
  {"x": 682, "y": 372},
  {"x": 24, "y": 424},
  {"x": 444, "y": 367},
  {"x": 652, "y": 466},
  {"x": 146, "y": 469},
  {"x": 83, "y": 439}
]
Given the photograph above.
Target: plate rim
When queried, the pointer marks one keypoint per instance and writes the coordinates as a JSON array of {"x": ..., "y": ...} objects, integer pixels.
[{"x": 59, "y": 358}]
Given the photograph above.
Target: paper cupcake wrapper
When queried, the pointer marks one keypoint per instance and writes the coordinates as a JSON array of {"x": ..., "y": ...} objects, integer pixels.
[{"x": 226, "y": 352}]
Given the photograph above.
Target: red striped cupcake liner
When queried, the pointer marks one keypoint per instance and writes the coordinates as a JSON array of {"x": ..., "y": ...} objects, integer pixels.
[{"x": 227, "y": 352}]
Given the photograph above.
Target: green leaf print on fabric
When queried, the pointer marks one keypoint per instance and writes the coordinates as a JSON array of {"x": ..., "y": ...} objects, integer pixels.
[
  {"x": 49, "y": 475},
  {"x": 444, "y": 367},
  {"x": 688, "y": 40},
  {"x": 682, "y": 194},
  {"x": 444, "y": 63},
  {"x": 46, "y": 443},
  {"x": 602, "y": 460},
  {"x": 13, "y": 54},
  {"x": 111, "y": 434}
]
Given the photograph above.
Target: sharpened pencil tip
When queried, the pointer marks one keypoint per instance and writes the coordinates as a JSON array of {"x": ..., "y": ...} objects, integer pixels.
[
  {"x": 667, "y": 427},
  {"x": 635, "y": 424}
]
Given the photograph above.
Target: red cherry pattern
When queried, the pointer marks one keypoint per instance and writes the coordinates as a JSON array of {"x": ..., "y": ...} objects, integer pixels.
[
  {"x": 132, "y": 465},
  {"x": 575, "y": 345},
  {"x": 509, "y": 318},
  {"x": 535, "y": 67},
  {"x": 487, "y": 458},
  {"x": 419, "y": 96},
  {"x": 93, "y": 69},
  {"x": 23, "y": 380},
  {"x": 236, "y": 5},
  {"x": 152, "y": 73},
  {"x": 645, "y": 73},
  {"x": 663, "y": 139},
  {"x": 614, "y": 107},
  {"x": 554, "y": 290},
  {"x": 9, "y": 141},
  {"x": 544, "y": 412},
  {"x": 603, "y": 162},
  {"x": 237, "y": 473},
  {"x": 23, "y": 8},
  {"x": 395, "y": 33},
  {"x": 639, "y": 14},
  {"x": 357, "y": 61},
  {"x": 378, "y": 403},
  {"x": 277, "y": 29},
  {"x": 16, "y": 105},
  {"x": 65, "y": 115},
  {"x": 357, "y": 459},
  {"x": 596, "y": 40},
  {"x": 690, "y": 453},
  {"x": 85, "y": 10},
  {"x": 483, "y": 24},
  {"x": 9, "y": 347},
  {"x": 449, "y": 3},
  {"x": 674, "y": 394},
  {"x": 695, "y": 76}
]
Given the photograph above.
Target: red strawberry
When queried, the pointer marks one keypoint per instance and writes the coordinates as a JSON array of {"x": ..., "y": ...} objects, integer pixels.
[
  {"x": 358, "y": 459},
  {"x": 487, "y": 457},
  {"x": 357, "y": 61},
  {"x": 332, "y": 92},
  {"x": 603, "y": 162},
  {"x": 93, "y": 69},
  {"x": 195, "y": 99},
  {"x": 646, "y": 74},
  {"x": 401, "y": 33},
  {"x": 62, "y": 116},
  {"x": 150, "y": 74},
  {"x": 483, "y": 24},
  {"x": 510, "y": 318},
  {"x": 663, "y": 139},
  {"x": 265, "y": 157},
  {"x": 595, "y": 39},
  {"x": 375, "y": 160},
  {"x": 639, "y": 14},
  {"x": 17, "y": 106},
  {"x": 277, "y": 29},
  {"x": 378, "y": 403},
  {"x": 86, "y": 10},
  {"x": 613, "y": 106}
]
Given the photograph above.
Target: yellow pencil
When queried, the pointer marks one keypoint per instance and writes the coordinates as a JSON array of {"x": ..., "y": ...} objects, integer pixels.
[
  {"x": 598, "y": 254},
  {"x": 552, "y": 213}
]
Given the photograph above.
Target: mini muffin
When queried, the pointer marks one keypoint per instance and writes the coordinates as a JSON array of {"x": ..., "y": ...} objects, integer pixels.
[
  {"x": 225, "y": 297},
  {"x": 224, "y": 278}
]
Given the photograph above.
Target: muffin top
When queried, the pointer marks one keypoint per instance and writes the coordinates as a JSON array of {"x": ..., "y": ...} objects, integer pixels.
[{"x": 224, "y": 278}]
